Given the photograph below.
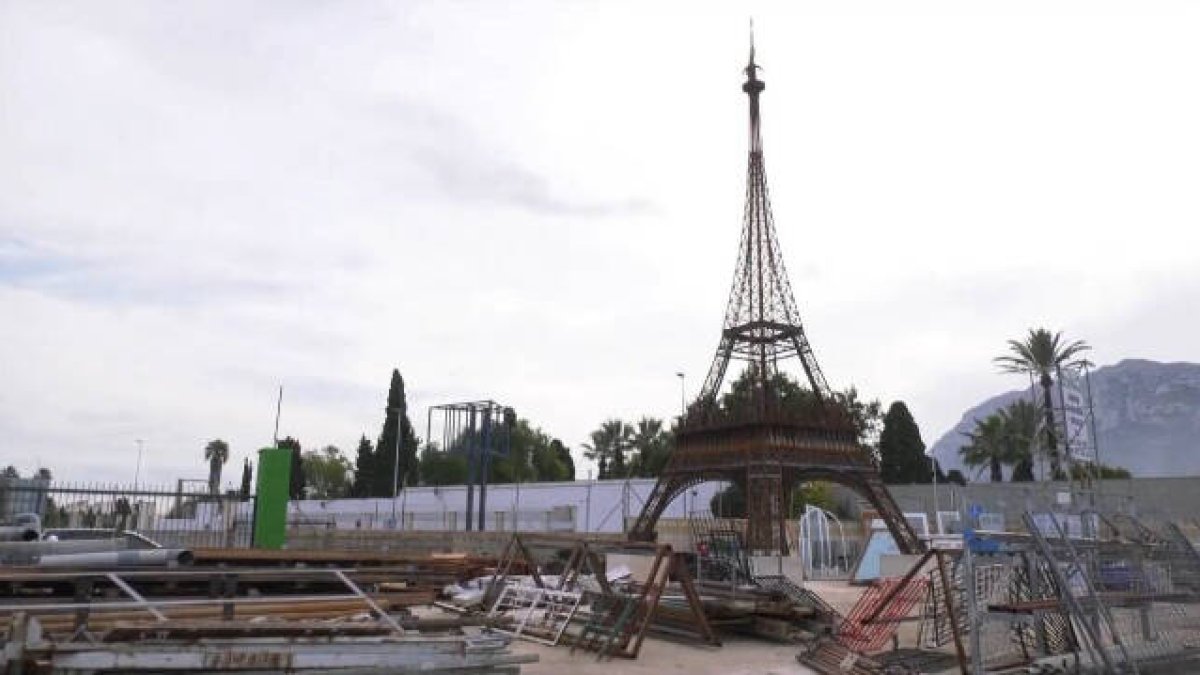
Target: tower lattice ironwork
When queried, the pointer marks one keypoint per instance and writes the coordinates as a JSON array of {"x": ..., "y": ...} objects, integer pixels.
[{"x": 760, "y": 439}]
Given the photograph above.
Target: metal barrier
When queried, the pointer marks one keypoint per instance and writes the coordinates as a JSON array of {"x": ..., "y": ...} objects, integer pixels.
[{"x": 170, "y": 517}]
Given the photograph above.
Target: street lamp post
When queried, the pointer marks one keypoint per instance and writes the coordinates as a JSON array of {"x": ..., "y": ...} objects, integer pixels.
[{"x": 682, "y": 397}]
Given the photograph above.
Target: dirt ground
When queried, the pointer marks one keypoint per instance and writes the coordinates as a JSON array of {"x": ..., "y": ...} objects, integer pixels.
[{"x": 738, "y": 656}]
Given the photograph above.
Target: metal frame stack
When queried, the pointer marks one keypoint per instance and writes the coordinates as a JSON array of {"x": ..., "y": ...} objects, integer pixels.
[{"x": 1101, "y": 592}]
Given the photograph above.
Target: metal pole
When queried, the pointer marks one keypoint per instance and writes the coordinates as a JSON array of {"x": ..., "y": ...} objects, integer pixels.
[
  {"x": 137, "y": 472},
  {"x": 396, "y": 463},
  {"x": 472, "y": 460},
  {"x": 278, "y": 411},
  {"x": 1087, "y": 378},
  {"x": 485, "y": 463},
  {"x": 936, "y": 504},
  {"x": 587, "y": 513},
  {"x": 682, "y": 397}
]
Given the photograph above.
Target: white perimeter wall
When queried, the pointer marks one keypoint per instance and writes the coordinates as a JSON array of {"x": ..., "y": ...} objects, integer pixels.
[{"x": 598, "y": 505}]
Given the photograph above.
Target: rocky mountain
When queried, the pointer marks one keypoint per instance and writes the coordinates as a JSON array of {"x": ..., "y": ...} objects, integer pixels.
[{"x": 1147, "y": 418}]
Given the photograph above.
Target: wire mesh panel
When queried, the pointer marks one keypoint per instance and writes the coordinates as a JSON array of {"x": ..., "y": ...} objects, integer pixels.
[
  {"x": 172, "y": 517},
  {"x": 539, "y": 614},
  {"x": 1116, "y": 593}
]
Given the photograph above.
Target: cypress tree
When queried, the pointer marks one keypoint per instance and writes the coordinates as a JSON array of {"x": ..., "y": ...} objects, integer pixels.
[
  {"x": 383, "y": 471},
  {"x": 364, "y": 467},
  {"x": 901, "y": 450}
]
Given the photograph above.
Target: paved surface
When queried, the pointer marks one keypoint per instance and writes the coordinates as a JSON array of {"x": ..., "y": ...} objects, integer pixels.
[{"x": 738, "y": 656}]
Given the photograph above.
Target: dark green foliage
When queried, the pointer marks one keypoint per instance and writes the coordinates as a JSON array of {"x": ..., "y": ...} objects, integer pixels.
[
  {"x": 956, "y": 477},
  {"x": 247, "y": 477},
  {"x": 1102, "y": 471},
  {"x": 608, "y": 448},
  {"x": 327, "y": 473},
  {"x": 901, "y": 451},
  {"x": 552, "y": 462},
  {"x": 1005, "y": 438},
  {"x": 532, "y": 455},
  {"x": 988, "y": 447},
  {"x": 1042, "y": 354},
  {"x": 296, "y": 487},
  {"x": 364, "y": 467},
  {"x": 442, "y": 468},
  {"x": 789, "y": 398},
  {"x": 653, "y": 445},
  {"x": 382, "y": 472},
  {"x": 729, "y": 503},
  {"x": 217, "y": 453}
]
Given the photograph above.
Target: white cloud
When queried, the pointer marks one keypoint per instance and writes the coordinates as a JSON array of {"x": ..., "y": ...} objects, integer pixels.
[{"x": 539, "y": 203}]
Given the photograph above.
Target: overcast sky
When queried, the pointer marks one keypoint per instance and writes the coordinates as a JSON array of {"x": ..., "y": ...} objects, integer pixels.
[{"x": 540, "y": 204}]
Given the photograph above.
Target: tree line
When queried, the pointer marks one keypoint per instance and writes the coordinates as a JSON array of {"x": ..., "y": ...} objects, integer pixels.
[{"x": 398, "y": 458}]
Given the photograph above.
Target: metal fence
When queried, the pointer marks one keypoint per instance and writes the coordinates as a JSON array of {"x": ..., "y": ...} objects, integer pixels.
[
  {"x": 554, "y": 519},
  {"x": 171, "y": 517}
]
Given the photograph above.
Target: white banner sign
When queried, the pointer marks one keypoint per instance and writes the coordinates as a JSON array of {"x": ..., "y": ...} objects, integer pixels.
[{"x": 1074, "y": 424}]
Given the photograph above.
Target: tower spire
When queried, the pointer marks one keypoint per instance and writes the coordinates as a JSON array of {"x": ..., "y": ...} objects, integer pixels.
[
  {"x": 762, "y": 322},
  {"x": 760, "y": 438}
]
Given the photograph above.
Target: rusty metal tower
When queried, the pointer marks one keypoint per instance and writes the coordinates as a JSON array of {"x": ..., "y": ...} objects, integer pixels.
[{"x": 767, "y": 445}]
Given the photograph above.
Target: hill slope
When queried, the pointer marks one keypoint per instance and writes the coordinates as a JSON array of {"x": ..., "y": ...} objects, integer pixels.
[{"x": 1147, "y": 418}]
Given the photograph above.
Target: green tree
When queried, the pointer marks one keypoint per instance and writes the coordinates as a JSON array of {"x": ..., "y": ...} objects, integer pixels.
[
  {"x": 552, "y": 462},
  {"x": 522, "y": 443},
  {"x": 608, "y": 447},
  {"x": 1042, "y": 354},
  {"x": 247, "y": 477},
  {"x": 10, "y": 471},
  {"x": 384, "y": 470},
  {"x": 1102, "y": 471},
  {"x": 731, "y": 501},
  {"x": 653, "y": 444},
  {"x": 216, "y": 453},
  {"x": 956, "y": 477},
  {"x": 327, "y": 473},
  {"x": 442, "y": 468},
  {"x": 987, "y": 448},
  {"x": 1021, "y": 423},
  {"x": 563, "y": 453},
  {"x": 728, "y": 503},
  {"x": 365, "y": 462},
  {"x": 794, "y": 400},
  {"x": 297, "y": 483},
  {"x": 1004, "y": 438},
  {"x": 902, "y": 456}
]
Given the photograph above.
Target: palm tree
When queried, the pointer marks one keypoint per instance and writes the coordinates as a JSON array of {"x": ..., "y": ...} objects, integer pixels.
[
  {"x": 1021, "y": 427},
  {"x": 652, "y": 443},
  {"x": 987, "y": 447},
  {"x": 1042, "y": 354},
  {"x": 217, "y": 453},
  {"x": 608, "y": 446}
]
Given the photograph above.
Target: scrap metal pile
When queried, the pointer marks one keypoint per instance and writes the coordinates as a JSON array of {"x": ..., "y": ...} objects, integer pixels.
[
  {"x": 116, "y": 609},
  {"x": 593, "y": 605},
  {"x": 1080, "y": 592}
]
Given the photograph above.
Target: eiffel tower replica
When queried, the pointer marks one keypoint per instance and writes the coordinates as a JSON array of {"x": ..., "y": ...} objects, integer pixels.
[{"x": 763, "y": 440}]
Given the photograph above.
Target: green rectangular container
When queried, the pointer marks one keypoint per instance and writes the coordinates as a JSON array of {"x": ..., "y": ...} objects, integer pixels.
[{"x": 271, "y": 503}]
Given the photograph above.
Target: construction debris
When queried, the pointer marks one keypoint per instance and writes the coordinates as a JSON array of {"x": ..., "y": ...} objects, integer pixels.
[{"x": 260, "y": 648}]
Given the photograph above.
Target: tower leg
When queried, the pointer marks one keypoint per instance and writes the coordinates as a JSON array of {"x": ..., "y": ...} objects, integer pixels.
[{"x": 766, "y": 510}]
